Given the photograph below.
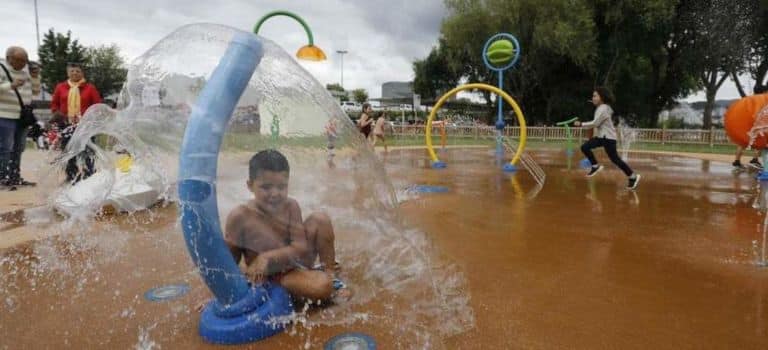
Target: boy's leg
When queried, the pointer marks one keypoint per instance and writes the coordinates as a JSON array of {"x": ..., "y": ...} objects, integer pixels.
[
  {"x": 384, "y": 141},
  {"x": 321, "y": 239},
  {"x": 309, "y": 284},
  {"x": 322, "y": 244}
]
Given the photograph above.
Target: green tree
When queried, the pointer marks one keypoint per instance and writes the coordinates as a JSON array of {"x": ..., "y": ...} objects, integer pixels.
[
  {"x": 641, "y": 50},
  {"x": 721, "y": 41},
  {"x": 334, "y": 87},
  {"x": 758, "y": 60},
  {"x": 55, "y": 52},
  {"x": 433, "y": 75},
  {"x": 106, "y": 68},
  {"x": 634, "y": 47},
  {"x": 360, "y": 95},
  {"x": 338, "y": 91}
]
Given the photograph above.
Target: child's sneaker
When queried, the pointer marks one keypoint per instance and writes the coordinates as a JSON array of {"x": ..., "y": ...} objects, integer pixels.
[
  {"x": 755, "y": 164},
  {"x": 594, "y": 170},
  {"x": 632, "y": 184},
  {"x": 737, "y": 164}
]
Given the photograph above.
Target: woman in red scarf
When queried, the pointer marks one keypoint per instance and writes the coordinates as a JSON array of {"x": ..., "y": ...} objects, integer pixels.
[
  {"x": 70, "y": 100},
  {"x": 72, "y": 97}
]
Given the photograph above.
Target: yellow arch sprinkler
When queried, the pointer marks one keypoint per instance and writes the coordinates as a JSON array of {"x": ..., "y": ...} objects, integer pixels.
[
  {"x": 437, "y": 163},
  {"x": 310, "y": 52}
]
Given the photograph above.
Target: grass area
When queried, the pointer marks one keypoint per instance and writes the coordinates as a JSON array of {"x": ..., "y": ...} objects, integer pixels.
[{"x": 558, "y": 144}]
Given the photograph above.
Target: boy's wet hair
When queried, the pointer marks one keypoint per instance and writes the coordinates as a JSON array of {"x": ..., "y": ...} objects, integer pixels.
[{"x": 268, "y": 159}]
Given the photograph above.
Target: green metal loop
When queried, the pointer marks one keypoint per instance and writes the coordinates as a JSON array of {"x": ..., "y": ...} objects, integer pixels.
[
  {"x": 566, "y": 122},
  {"x": 288, "y": 14}
]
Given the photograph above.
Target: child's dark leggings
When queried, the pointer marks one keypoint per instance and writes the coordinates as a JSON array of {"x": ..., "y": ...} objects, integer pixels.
[{"x": 610, "y": 148}]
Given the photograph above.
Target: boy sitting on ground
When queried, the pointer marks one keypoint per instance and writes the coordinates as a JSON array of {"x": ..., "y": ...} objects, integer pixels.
[{"x": 277, "y": 245}]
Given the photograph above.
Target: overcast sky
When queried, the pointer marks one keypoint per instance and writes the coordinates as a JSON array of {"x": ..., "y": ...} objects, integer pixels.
[{"x": 382, "y": 37}]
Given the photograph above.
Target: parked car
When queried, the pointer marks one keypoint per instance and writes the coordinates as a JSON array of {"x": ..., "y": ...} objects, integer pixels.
[{"x": 349, "y": 106}]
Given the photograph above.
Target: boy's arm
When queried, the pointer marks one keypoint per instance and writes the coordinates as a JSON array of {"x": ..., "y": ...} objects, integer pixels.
[
  {"x": 298, "y": 247},
  {"x": 233, "y": 234}
]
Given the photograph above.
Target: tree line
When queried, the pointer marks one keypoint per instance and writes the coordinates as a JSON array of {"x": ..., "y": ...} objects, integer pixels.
[{"x": 650, "y": 53}]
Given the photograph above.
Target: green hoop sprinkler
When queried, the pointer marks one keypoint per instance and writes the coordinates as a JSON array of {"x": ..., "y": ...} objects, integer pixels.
[{"x": 569, "y": 137}]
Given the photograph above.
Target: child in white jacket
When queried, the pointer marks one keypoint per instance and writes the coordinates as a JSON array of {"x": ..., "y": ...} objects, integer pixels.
[{"x": 605, "y": 136}]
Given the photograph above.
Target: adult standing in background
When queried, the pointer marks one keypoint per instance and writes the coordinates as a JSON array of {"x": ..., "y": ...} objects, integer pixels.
[
  {"x": 15, "y": 83},
  {"x": 71, "y": 98}
]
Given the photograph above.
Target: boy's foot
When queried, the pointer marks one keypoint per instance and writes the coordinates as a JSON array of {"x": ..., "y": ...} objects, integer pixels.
[
  {"x": 737, "y": 164},
  {"x": 341, "y": 293},
  {"x": 633, "y": 181},
  {"x": 594, "y": 170},
  {"x": 755, "y": 164}
]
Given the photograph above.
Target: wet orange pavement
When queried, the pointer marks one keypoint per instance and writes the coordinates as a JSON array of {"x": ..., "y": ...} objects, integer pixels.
[{"x": 581, "y": 264}]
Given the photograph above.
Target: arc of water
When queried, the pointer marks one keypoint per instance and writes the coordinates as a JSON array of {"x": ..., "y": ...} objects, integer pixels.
[{"x": 296, "y": 17}]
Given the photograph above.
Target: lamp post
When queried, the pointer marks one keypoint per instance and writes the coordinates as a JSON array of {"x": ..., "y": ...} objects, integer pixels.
[
  {"x": 342, "y": 53},
  {"x": 37, "y": 27}
]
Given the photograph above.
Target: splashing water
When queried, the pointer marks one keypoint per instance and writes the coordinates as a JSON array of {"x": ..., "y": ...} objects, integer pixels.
[
  {"x": 628, "y": 135},
  {"x": 145, "y": 343},
  {"x": 760, "y": 126},
  {"x": 762, "y": 206},
  {"x": 103, "y": 265}
]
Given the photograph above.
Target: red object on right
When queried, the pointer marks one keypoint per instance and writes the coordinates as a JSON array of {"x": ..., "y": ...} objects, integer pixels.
[{"x": 741, "y": 118}]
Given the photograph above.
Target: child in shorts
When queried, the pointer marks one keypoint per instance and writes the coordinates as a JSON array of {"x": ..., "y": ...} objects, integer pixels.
[{"x": 277, "y": 245}]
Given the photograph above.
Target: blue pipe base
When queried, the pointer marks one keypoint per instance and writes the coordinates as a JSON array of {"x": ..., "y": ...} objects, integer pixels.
[
  {"x": 439, "y": 165},
  {"x": 585, "y": 163},
  {"x": 509, "y": 168},
  {"x": 224, "y": 325}
]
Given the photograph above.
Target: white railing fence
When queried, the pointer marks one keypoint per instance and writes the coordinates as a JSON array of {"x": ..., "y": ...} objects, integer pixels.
[{"x": 555, "y": 133}]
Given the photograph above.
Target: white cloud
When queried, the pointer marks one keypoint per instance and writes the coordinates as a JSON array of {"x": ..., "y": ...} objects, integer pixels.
[{"x": 382, "y": 37}]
